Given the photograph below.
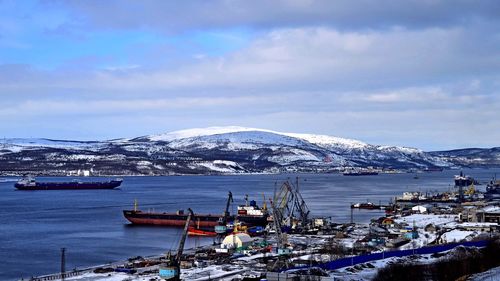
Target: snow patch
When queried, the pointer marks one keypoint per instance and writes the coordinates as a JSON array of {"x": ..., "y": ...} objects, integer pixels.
[{"x": 199, "y": 132}]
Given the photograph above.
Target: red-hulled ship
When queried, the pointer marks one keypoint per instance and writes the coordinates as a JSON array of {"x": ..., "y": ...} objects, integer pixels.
[
  {"x": 250, "y": 214},
  {"x": 196, "y": 231},
  {"x": 169, "y": 219}
]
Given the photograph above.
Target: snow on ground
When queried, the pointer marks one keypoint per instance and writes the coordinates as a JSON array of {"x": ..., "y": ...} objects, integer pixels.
[
  {"x": 37, "y": 142},
  {"x": 195, "y": 274},
  {"x": 320, "y": 140},
  {"x": 210, "y": 272},
  {"x": 144, "y": 163},
  {"x": 238, "y": 140},
  {"x": 492, "y": 209},
  {"x": 328, "y": 141},
  {"x": 198, "y": 132},
  {"x": 457, "y": 235},
  {"x": 421, "y": 220},
  {"x": 403, "y": 149},
  {"x": 261, "y": 135},
  {"x": 364, "y": 271},
  {"x": 221, "y": 166},
  {"x": 293, "y": 156},
  {"x": 107, "y": 277},
  {"x": 257, "y": 256},
  {"x": 368, "y": 270},
  {"x": 228, "y": 163},
  {"x": 490, "y": 275}
]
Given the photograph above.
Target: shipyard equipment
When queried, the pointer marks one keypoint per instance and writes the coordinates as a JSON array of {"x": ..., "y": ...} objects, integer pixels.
[
  {"x": 291, "y": 208},
  {"x": 221, "y": 228},
  {"x": 63, "y": 263},
  {"x": 281, "y": 240},
  {"x": 170, "y": 270}
]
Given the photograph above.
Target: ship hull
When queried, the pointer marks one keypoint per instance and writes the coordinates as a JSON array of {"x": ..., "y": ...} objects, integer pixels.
[
  {"x": 192, "y": 231},
  {"x": 253, "y": 220},
  {"x": 169, "y": 219},
  {"x": 361, "y": 174},
  {"x": 367, "y": 206},
  {"x": 464, "y": 182},
  {"x": 69, "y": 185}
]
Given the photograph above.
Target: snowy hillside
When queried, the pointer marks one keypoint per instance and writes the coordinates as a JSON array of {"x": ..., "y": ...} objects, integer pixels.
[
  {"x": 213, "y": 150},
  {"x": 18, "y": 144},
  {"x": 329, "y": 141},
  {"x": 264, "y": 136},
  {"x": 199, "y": 132}
]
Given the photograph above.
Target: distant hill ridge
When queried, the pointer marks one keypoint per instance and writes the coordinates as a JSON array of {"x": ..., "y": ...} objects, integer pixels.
[{"x": 222, "y": 150}]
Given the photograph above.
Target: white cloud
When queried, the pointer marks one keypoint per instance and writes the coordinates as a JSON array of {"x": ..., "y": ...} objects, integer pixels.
[
  {"x": 312, "y": 58},
  {"x": 167, "y": 16},
  {"x": 106, "y": 107},
  {"x": 388, "y": 86}
]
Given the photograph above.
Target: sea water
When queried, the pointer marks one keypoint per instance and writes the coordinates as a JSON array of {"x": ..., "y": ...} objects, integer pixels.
[{"x": 35, "y": 225}]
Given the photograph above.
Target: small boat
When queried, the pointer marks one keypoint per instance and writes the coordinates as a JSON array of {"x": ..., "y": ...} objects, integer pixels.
[
  {"x": 367, "y": 206},
  {"x": 208, "y": 232},
  {"x": 256, "y": 231}
]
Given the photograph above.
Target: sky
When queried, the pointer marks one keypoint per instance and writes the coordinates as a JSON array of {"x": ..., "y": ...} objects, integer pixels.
[{"x": 420, "y": 73}]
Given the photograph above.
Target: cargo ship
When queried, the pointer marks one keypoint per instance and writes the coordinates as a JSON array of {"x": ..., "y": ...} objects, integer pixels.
[
  {"x": 249, "y": 214},
  {"x": 252, "y": 215},
  {"x": 170, "y": 219},
  {"x": 367, "y": 206},
  {"x": 433, "y": 169},
  {"x": 30, "y": 183},
  {"x": 493, "y": 189},
  {"x": 463, "y": 180},
  {"x": 360, "y": 172}
]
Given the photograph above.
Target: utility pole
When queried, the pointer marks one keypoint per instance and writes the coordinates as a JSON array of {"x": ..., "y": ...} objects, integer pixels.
[
  {"x": 63, "y": 263},
  {"x": 352, "y": 218}
]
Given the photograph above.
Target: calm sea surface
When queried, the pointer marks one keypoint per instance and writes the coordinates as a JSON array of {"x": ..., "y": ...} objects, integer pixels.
[{"x": 89, "y": 224}]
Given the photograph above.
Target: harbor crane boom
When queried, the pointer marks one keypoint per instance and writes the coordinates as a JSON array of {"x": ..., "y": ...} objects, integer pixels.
[
  {"x": 221, "y": 228},
  {"x": 171, "y": 269},
  {"x": 226, "y": 212}
]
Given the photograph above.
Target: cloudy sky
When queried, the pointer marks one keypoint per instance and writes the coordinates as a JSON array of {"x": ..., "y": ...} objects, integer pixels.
[{"x": 423, "y": 73}]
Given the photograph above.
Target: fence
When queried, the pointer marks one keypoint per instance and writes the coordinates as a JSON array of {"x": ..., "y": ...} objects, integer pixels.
[
  {"x": 58, "y": 276},
  {"x": 336, "y": 264}
]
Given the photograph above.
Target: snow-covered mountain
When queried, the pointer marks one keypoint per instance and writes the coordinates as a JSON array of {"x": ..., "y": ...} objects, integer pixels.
[
  {"x": 209, "y": 150},
  {"x": 471, "y": 157}
]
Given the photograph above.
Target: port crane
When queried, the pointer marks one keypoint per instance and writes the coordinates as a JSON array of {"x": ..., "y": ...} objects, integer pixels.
[
  {"x": 221, "y": 228},
  {"x": 291, "y": 205},
  {"x": 300, "y": 205},
  {"x": 170, "y": 270},
  {"x": 281, "y": 239}
]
